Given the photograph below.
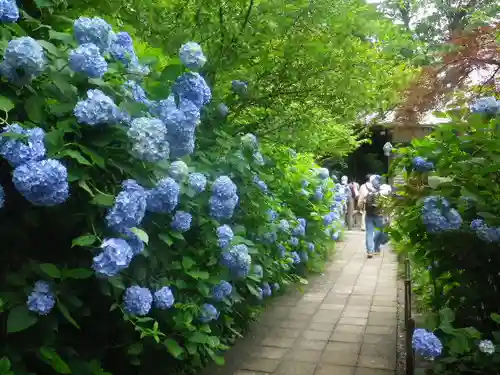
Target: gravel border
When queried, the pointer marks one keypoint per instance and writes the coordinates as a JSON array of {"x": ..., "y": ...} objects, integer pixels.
[{"x": 400, "y": 332}]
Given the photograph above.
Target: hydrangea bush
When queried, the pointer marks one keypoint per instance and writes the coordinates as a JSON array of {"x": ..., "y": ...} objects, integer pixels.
[
  {"x": 135, "y": 230},
  {"x": 447, "y": 223}
]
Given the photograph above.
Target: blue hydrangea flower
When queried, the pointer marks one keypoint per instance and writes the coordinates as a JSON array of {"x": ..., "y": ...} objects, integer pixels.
[
  {"x": 24, "y": 57},
  {"x": 486, "y": 346},
  {"x": 294, "y": 241},
  {"x": 9, "y": 12},
  {"x": 164, "y": 197},
  {"x": 310, "y": 246},
  {"x": 129, "y": 208},
  {"x": 239, "y": 87},
  {"x": 485, "y": 232},
  {"x": 266, "y": 290},
  {"x": 224, "y": 188},
  {"x": 237, "y": 260},
  {"x": 260, "y": 293},
  {"x": 487, "y": 105},
  {"x": 223, "y": 110},
  {"x": 2, "y": 197},
  {"x": 97, "y": 109},
  {"x": 192, "y": 56},
  {"x": 304, "y": 256},
  {"x": 222, "y": 290},
  {"x": 270, "y": 237},
  {"x": 223, "y": 208},
  {"x": 87, "y": 60},
  {"x": 295, "y": 257},
  {"x": 149, "y": 139},
  {"x": 323, "y": 173},
  {"x": 134, "y": 241},
  {"x": 260, "y": 184},
  {"x": 250, "y": 142},
  {"x": 329, "y": 218},
  {"x": 115, "y": 256},
  {"x": 197, "y": 182},
  {"x": 271, "y": 215},
  {"x": 136, "y": 92},
  {"x": 93, "y": 30},
  {"x": 136, "y": 68},
  {"x": 137, "y": 300},
  {"x": 258, "y": 271},
  {"x": 282, "y": 250},
  {"x": 42, "y": 299},
  {"x": 304, "y": 193},
  {"x": 422, "y": 165},
  {"x": 43, "y": 183},
  {"x": 299, "y": 230},
  {"x": 304, "y": 183},
  {"x": 426, "y": 344},
  {"x": 192, "y": 86},
  {"x": 438, "y": 216},
  {"x": 258, "y": 158},
  {"x": 178, "y": 170},
  {"x": 164, "y": 298},
  {"x": 284, "y": 225},
  {"x": 20, "y": 151},
  {"x": 181, "y": 221},
  {"x": 225, "y": 236},
  {"x": 318, "y": 193},
  {"x": 122, "y": 48},
  {"x": 335, "y": 236},
  {"x": 208, "y": 313}
]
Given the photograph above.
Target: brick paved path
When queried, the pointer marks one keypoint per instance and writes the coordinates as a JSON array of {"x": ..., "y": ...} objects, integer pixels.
[{"x": 343, "y": 324}]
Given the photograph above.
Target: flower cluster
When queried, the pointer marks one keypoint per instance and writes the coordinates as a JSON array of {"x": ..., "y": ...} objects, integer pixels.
[
  {"x": 485, "y": 232},
  {"x": 129, "y": 208},
  {"x": 149, "y": 139},
  {"x": 284, "y": 225},
  {"x": 137, "y": 300},
  {"x": 181, "y": 221},
  {"x": 30, "y": 147},
  {"x": 87, "y": 59},
  {"x": 9, "y": 12},
  {"x": 208, "y": 313},
  {"x": 163, "y": 298},
  {"x": 225, "y": 236},
  {"x": 237, "y": 260},
  {"x": 426, "y": 344},
  {"x": 24, "y": 59},
  {"x": 266, "y": 290},
  {"x": 224, "y": 198},
  {"x": 239, "y": 87},
  {"x": 164, "y": 197},
  {"x": 439, "y": 216},
  {"x": 323, "y": 173},
  {"x": 222, "y": 290},
  {"x": 486, "y": 346},
  {"x": 294, "y": 241},
  {"x": 178, "y": 170},
  {"x": 97, "y": 109},
  {"x": 260, "y": 184},
  {"x": 422, "y": 165},
  {"x": 42, "y": 299},
  {"x": 191, "y": 86},
  {"x": 271, "y": 215},
  {"x": 115, "y": 256},
  {"x": 93, "y": 30},
  {"x": 487, "y": 105},
  {"x": 300, "y": 229},
  {"x": 258, "y": 271},
  {"x": 295, "y": 257},
  {"x": 192, "y": 56},
  {"x": 197, "y": 182}
]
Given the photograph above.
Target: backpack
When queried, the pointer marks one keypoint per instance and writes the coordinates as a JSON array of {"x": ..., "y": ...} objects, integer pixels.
[{"x": 371, "y": 206}]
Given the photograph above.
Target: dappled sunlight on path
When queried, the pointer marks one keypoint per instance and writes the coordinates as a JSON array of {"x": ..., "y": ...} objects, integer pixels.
[{"x": 343, "y": 324}]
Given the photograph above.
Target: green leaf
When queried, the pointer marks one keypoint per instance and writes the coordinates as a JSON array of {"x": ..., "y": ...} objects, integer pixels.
[
  {"x": 57, "y": 363},
  {"x": 495, "y": 317},
  {"x": 66, "y": 314},
  {"x": 174, "y": 348},
  {"x": 166, "y": 238},
  {"x": 51, "y": 270},
  {"x": 4, "y": 365},
  {"x": 177, "y": 235},
  {"x": 6, "y": 104},
  {"x": 198, "y": 275},
  {"x": 63, "y": 37},
  {"x": 254, "y": 291},
  {"x": 104, "y": 200},
  {"x": 78, "y": 273},
  {"x": 84, "y": 241},
  {"x": 143, "y": 236},
  {"x": 49, "y": 47},
  {"x": 446, "y": 316},
  {"x": 76, "y": 155},
  {"x": 188, "y": 262},
  {"x": 34, "y": 107},
  {"x": 20, "y": 319},
  {"x": 135, "y": 349},
  {"x": 198, "y": 338},
  {"x": 83, "y": 184}
]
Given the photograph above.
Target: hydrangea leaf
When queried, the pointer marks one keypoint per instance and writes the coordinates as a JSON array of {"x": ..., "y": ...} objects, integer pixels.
[
  {"x": 66, "y": 314},
  {"x": 6, "y": 104},
  {"x": 20, "y": 319},
  {"x": 51, "y": 270},
  {"x": 143, "y": 236},
  {"x": 174, "y": 348},
  {"x": 52, "y": 358},
  {"x": 84, "y": 241}
]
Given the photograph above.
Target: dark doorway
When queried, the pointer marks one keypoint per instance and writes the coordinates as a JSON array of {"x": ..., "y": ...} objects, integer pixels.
[{"x": 370, "y": 158}]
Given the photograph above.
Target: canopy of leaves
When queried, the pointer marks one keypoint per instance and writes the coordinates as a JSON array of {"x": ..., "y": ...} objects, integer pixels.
[{"x": 312, "y": 66}]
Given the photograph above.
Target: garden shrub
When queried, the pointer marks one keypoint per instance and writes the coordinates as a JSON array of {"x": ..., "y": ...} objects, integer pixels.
[
  {"x": 447, "y": 223},
  {"x": 137, "y": 235}
]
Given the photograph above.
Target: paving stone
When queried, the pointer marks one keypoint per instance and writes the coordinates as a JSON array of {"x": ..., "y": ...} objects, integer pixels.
[
  {"x": 353, "y": 321},
  {"x": 346, "y": 337},
  {"x": 383, "y": 321},
  {"x": 325, "y": 316},
  {"x": 378, "y": 338},
  {"x": 296, "y": 368},
  {"x": 377, "y": 362},
  {"x": 316, "y": 335},
  {"x": 269, "y": 352},
  {"x": 332, "y": 306},
  {"x": 339, "y": 358},
  {"x": 388, "y": 309},
  {"x": 321, "y": 327},
  {"x": 325, "y": 369},
  {"x": 356, "y": 313},
  {"x": 380, "y": 330},
  {"x": 261, "y": 364},
  {"x": 285, "y": 332},
  {"x": 280, "y": 342},
  {"x": 245, "y": 372},
  {"x": 306, "y": 310},
  {"x": 304, "y": 355},
  {"x": 349, "y": 328},
  {"x": 311, "y": 344},
  {"x": 372, "y": 371},
  {"x": 293, "y": 324},
  {"x": 350, "y": 347}
]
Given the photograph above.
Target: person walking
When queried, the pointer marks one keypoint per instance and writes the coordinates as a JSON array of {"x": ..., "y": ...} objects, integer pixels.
[
  {"x": 374, "y": 221},
  {"x": 350, "y": 202},
  {"x": 363, "y": 191}
]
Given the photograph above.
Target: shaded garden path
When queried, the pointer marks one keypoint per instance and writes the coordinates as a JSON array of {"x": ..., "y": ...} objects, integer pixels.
[{"x": 345, "y": 322}]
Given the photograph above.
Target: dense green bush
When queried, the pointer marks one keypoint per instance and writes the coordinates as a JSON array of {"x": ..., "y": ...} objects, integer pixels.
[
  {"x": 447, "y": 222},
  {"x": 115, "y": 257}
]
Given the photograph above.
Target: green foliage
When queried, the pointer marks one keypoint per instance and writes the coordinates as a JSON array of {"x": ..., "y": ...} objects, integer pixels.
[
  {"x": 88, "y": 331},
  {"x": 455, "y": 271},
  {"x": 314, "y": 67}
]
